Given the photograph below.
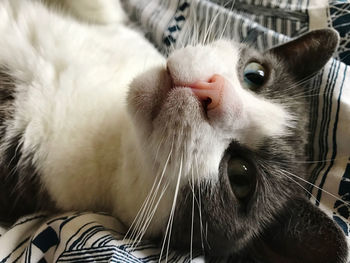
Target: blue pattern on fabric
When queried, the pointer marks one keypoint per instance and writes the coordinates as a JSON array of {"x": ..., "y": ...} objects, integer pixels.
[
  {"x": 340, "y": 16},
  {"x": 46, "y": 239},
  {"x": 176, "y": 23},
  {"x": 342, "y": 207},
  {"x": 331, "y": 82},
  {"x": 323, "y": 118},
  {"x": 42, "y": 261}
]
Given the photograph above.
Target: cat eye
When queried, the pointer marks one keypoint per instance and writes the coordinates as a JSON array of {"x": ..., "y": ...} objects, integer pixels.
[
  {"x": 241, "y": 175},
  {"x": 254, "y": 75}
]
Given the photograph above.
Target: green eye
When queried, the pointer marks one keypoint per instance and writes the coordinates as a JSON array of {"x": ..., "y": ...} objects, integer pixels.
[
  {"x": 254, "y": 75},
  {"x": 241, "y": 176}
]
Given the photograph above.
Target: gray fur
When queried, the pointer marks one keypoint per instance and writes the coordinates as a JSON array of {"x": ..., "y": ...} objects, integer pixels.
[{"x": 276, "y": 223}]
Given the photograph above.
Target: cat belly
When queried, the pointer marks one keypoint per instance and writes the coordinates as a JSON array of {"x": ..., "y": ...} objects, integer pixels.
[{"x": 69, "y": 112}]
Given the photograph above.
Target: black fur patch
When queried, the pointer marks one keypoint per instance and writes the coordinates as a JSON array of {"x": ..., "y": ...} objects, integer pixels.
[
  {"x": 278, "y": 223},
  {"x": 20, "y": 189}
]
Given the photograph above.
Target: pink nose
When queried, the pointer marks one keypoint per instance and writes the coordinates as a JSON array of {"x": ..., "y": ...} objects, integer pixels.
[{"x": 209, "y": 92}]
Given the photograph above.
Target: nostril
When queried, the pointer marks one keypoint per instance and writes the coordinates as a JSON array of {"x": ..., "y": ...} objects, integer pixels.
[
  {"x": 209, "y": 92},
  {"x": 211, "y": 80},
  {"x": 206, "y": 103}
]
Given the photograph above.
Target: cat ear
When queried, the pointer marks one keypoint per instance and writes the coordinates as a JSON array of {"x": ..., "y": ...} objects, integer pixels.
[
  {"x": 307, "y": 54},
  {"x": 302, "y": 234}
]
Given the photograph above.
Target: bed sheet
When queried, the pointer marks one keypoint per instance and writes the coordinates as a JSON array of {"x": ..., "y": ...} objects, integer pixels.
[{"x": 96, "y": 237}]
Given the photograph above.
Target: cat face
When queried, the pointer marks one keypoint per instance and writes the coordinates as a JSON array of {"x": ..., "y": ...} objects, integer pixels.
[
  {"x": 225, "y": 125},
  {"x": 178, "y": 116}
]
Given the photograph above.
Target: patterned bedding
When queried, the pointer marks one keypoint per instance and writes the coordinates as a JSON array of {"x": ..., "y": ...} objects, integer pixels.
[{"x": 96, "y": 237}]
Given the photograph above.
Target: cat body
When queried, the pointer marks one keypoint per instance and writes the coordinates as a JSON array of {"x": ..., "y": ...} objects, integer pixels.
[
  {"x": 95, "y": 118},
  {"x": 97, "y": 125}
]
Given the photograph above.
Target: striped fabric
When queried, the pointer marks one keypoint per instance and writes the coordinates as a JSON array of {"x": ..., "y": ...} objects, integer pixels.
[
  {"x": 84, "y": 237},
  {"x": 91, "y": 237}
]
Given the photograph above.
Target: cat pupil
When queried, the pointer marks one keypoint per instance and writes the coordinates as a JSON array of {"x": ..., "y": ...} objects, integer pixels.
[
  {"x": 254, "y": 75},
  {"x": 240, "y": 175}
]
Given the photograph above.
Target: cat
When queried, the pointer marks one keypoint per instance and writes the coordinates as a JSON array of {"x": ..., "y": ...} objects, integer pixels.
[{"x": 197, "y": 150}]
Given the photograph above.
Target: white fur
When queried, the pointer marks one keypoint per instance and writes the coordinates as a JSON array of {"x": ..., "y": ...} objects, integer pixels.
[
  {"x": 95, "y": 11},
  {"x": 258, "y": 117},
  {"x": 73, "y": 79}
]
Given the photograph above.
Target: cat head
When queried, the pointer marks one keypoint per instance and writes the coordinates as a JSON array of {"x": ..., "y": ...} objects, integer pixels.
[{"x": 225, "y": 128}]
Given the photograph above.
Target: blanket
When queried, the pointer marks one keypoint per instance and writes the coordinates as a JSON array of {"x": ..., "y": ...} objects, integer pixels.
[{"x": 96, "y": 237}]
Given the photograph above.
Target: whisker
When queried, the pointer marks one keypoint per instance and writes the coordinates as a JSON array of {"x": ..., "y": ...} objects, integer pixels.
[
  {"x": 208, "y": 32},
  {"x": 149, "y": 201},
  {"x": 200, "y": 204},
  {"x": 148, "y": 215},
  {"x": 227, "y": 12},
  {"x": 319, "y": 188},
  {"x": 318, "y": 161},
  {"x": 307, "y": 191},
  {"x": 290, "y": 176},
  {"x": 283, "y": 172},
  {"x": 169, "y": 224},
  {"x": 146, "y": 201},
  {"x": 298, "y": 84},
  {"x": 192, "y": 219},
  {"x": 141, "y": 214}
]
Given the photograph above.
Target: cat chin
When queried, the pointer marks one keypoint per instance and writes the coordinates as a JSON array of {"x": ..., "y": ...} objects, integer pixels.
[{"x": 174, "y": 121}]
